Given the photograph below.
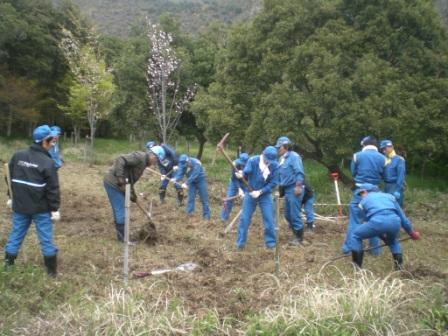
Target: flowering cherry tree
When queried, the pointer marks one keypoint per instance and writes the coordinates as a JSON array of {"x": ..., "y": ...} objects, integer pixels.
[{"x": 163, "y": 78}]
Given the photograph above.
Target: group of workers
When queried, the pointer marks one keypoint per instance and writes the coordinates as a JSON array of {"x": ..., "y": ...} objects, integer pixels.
[{"x": 35, "y": 192}]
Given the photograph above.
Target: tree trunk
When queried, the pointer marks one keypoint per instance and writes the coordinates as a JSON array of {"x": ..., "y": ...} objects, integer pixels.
[
  {"x": 202, "y": 140},
  {"x": 334, "y": 168}
]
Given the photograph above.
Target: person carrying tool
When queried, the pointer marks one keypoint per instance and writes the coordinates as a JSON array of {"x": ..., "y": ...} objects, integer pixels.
[
  {"x": 292, "y": 177},
  {"x": 307, "y": 204},
  {"x": 367, "y": 166},
  {"x": 235, "y": 187},
  {"x": 127, "y": 168},
  {"x": 395, "y": 171},
  {"x": 261, "y": 172},
  {"x": 196, "y": 183},
  {"x": 35, "y": 190},
  {"x": 168, "y": 164},
  {"x": 383, "y": 218}
]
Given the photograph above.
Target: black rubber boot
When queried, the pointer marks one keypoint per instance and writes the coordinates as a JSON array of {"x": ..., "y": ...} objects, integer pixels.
[
  {"x": 180, "y": 197},
  {"x": 120, "y": 232},
  {"x": 357, "y": 257},
  {"x": 9, "y": 259},
  {"x": 51, "y": 265},
  {"x": 298, "y": 238},
  {"x": 162, "y": 194},
  {"x": 398, "y": 261}
]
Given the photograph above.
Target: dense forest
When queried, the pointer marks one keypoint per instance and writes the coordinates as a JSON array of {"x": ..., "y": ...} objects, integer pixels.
[{"x": 325, "y": 72}]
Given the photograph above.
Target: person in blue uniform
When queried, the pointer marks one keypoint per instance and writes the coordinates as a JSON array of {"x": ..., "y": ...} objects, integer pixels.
[
  {"x": 367, "y": 166},
  {"x": 35, "y": 191},
  {"x": 394, "y": 172},
  {"x": 383, "y": 218},
  {"x": 308, "y": 206},
  {"x": 261, "y": 172},
  {"x": 168, "y": 164},
  {"x": 292, "y": 178},
  {"x": 235, "y": 187},
  {"x": 196, "y": 183}
]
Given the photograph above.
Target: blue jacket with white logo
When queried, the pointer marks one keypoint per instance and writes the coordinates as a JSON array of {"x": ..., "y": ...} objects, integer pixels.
[
  {"x": 34, "y": 181},
  {"x": 379, "y": 203},
  {"x": 254, "y": 175},
  {"x": 291, "y": 169},
  {"x": 368, "y": 166},
  {"x": 395, "y": 172}
]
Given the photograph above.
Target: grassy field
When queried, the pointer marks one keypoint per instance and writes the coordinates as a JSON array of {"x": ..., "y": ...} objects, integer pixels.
[{"x": 231, "y": 293}]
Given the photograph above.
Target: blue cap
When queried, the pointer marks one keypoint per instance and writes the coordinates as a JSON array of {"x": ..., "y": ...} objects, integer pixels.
[
  {"x": 366, "y": 187},
  {"x": 385, "y": 143},
  {"x": 282, "y": 141},
  {"x": 243, "y": 158},
  {"x": 150, "y": 144},
  {"x": 56, "y": 129},
  {"x": 43, "y": 132},
  {"x": 159, "y": 152},
  {"x": 183, "y": 159},
  {"x": 270, "y": 153}
]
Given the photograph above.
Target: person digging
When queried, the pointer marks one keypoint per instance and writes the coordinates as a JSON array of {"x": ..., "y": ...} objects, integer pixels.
[
  {"x": 126, "y": 168},
  {"x": 383, "y": 218}
]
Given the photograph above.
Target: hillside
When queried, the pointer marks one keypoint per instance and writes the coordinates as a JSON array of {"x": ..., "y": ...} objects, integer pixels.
[{"x": 115, "y": 17}]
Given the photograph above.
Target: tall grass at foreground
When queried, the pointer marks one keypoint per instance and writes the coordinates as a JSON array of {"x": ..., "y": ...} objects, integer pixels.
[{"x": 361, "y": 304}]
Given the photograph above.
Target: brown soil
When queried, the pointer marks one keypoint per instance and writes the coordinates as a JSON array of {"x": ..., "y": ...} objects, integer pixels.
[{"x": 234, "y": 283}]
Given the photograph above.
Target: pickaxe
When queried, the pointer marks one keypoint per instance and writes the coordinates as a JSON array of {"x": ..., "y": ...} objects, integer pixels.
[
  {"x": 365, "y": 250},
  {"x": 220, "y": 147}
]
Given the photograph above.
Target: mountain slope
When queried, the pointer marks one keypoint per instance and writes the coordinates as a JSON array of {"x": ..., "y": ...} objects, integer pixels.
[{"x": 115, "y": 17}]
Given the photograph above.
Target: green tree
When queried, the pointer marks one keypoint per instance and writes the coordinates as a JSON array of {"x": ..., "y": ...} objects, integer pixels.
[
  {"x": 90, "y": 72},
  {"x": 327, "y": 73}
]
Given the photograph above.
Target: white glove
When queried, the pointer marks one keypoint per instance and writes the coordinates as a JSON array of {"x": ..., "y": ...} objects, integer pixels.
[
  {"x": 241, "y": 193},
  {"x": 162, "y": 177},
  {"x": 175, "y": 168},
  {"x": 9, "y": 203},
  {"x": 255, "y": 193},
  {"x": 56, "y": 216},
  {"x": 239, "y": 174},
  {"x": 184, "y": 186}
]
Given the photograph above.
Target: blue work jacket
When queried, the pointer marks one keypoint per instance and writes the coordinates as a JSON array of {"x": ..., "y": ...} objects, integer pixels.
[
  {"x": 395, "y": 171},
  {"x": 379, "y": 203},
  {"x": 291, "y": 169},
  {"x": 368, "y": 166},
  {"x": 193, "y": 169},
  {"x": 254, "y": 176}
]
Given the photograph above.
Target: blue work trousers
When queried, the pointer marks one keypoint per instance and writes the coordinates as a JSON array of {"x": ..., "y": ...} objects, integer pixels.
[
  {"x": 293, "y": 208},
  {"x": 390, "y": 188},
  {"x": 44, "y": 228},
  {"x": 354, "y": 220},
  {"x": 232, "y": 190},
  {"x": 309, "y": 210},
  {"x": 116, "y": 199},
  {"x": 198, "y": 186},
  {"x": 164, "y": 183},
  {"x": 386, "y": 225},
  {"x": 267, "y": 211}
]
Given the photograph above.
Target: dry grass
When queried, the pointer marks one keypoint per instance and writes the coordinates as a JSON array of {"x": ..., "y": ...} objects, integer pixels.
[{"x": 231, "y": 293}]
